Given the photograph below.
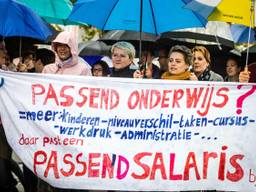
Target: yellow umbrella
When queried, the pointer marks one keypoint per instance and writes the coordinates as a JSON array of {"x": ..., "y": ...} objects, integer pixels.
[
  {"x": 232, "y": 11},
  {"x": 235, "y": 11}
]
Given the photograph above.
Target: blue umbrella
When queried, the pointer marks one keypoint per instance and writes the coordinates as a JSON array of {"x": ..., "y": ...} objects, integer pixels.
[
  {"x": 240, "y": 34},
  {"x": 19, "y": 20},
  {"x": 243, "y": 34},
  {"x": 152, "y": 16}
]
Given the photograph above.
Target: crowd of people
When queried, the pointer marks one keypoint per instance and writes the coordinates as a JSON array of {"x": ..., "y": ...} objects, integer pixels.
[{"x": 178, "y": 63}]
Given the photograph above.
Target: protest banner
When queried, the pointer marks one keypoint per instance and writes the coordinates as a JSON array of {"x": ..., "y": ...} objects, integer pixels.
[{"x": 132, "y": 134}]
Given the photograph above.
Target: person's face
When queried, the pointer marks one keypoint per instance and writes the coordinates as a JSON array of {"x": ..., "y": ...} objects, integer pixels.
[
  {"x": 2, "y": 58},
  {"x": 39, "y": 66},
  {"x": 97, "y": 70},
  {"x": 120, "y": 58},
  {"x": 199, "y": 62},
  {"x": 232, "y": 68},
  {"x": 163, "y": 60},
  {"x": 63, "y": 51},
  {"x": 177, "y": 64}
]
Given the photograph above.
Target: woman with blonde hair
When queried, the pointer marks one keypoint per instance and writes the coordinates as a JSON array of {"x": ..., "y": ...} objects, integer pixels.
[
  {"x": 122, "y": 54},
  {"x": 201, "y": 65}
]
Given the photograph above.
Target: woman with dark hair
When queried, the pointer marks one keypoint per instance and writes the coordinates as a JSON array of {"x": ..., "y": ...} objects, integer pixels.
[
  {"x": 180, "y": 58},
  {"x": 201, "y": 65},
  {"x": 233, "y": 69},
  {"x": 100, "y": 69}
]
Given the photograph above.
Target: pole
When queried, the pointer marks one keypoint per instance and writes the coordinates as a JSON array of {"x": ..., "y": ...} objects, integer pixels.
[
  {"x": 141, "y": 15},
  {"x": 20, "y": 48},
  {"x": 252, "y": 12}
]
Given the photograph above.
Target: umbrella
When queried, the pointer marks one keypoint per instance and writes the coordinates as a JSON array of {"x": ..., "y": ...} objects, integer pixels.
[
  {"x": 17, "y": 46},
  {"x": 214, "y": 33},
  {"x": 252, "y": 50},
  {"x": 124, "y": 35},
  {"x": 197, "y": 38},
  {"x": 240, "y": 34},
  {"x": 62, "y": 21},
  {"x": 19, "y": 20},
  {"x": 91, "y": 48},
  {"x": 218, "y": 48},
  {"x": 233, "y": 11},
  {"x": 151, "y": 16},
  {"x": 53, "y": 11},
  {"x": 148, "y": 39}
]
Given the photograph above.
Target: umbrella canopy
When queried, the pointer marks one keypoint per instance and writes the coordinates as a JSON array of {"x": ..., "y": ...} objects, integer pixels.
[
  {"x": 241, "y": 34},
  {"x": 197, "y": 38},
  {"x": 152, "y": 16},
  {"x": 62, "y": 21},
  {"x": 53, "y": 11},
  {"x": 123, "y": 35},
  {"x": 91, "y": 48},
  {"x": 18, "y": 20},
  {"x": 233, "y": 11},
  {"x": 252, "y": 50},
  {"x": 148, "y": 39},
  {"x": 214, "y": 33}
]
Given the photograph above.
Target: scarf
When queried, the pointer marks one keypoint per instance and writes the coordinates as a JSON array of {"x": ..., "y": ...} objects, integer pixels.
[
  {"x": 68, "y": 62},
  {"x": 205, "y": 76},
  {"x": 182, "y": 76}
]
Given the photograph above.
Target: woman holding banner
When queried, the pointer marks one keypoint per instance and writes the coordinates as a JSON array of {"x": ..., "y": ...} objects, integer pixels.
[
  {"x": 123, "y": 54},
  {"x": 180, "y": 58},
  {"x": 7, "y": 182},
  {"x": 201, "y": 65}
]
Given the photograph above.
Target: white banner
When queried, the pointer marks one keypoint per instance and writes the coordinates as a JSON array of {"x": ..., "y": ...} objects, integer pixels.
[{"x": 130, "y": 134}]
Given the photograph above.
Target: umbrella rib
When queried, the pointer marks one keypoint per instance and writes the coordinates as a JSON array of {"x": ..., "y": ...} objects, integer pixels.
[
  {"x": 103, "y": 27},
  {"x": 153, "y": 15},
  {"x": 200, "y": 18}
]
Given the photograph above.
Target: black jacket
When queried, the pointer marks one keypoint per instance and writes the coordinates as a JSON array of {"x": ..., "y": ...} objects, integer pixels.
[{"x": 124, "y": 72}]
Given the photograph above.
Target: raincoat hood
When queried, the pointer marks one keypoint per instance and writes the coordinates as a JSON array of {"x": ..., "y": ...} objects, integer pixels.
[{"x": 66, "y": 38}]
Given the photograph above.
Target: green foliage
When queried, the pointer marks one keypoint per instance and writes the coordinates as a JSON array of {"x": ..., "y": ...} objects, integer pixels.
[{"x": 89, "y": 31}]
